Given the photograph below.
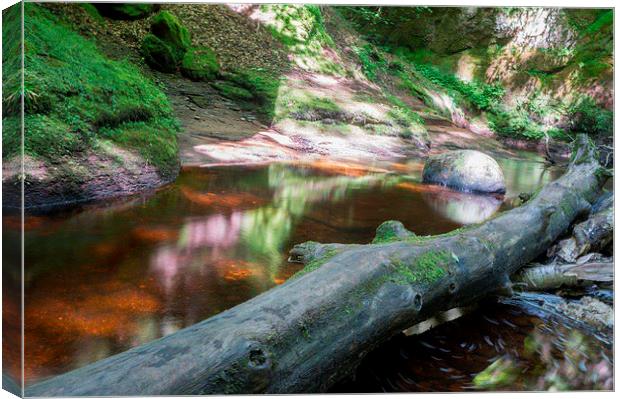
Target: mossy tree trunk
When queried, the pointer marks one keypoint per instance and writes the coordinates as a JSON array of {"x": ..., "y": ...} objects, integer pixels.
[{"x": 312, "y": 331}]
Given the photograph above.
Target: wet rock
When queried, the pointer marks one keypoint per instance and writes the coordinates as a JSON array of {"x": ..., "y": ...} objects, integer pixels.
[
  {"x": 465, "y": 170},
  {"x": 109, "y": 172}
]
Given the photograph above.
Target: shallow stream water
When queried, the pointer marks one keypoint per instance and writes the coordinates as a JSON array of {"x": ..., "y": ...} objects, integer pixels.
[{"x": 104, "y": 278}]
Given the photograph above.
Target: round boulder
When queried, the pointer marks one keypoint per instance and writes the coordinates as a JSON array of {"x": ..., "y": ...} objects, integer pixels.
[{"x": 465, "y": 170}]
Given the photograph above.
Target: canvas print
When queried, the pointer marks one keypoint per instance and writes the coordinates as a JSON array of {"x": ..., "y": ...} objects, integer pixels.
[{"x": 207, "y": 199}]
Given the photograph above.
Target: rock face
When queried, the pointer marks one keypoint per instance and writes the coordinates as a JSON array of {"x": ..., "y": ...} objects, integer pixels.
[
  {"x": 465, "y": 170},
  {"x": 565, "y": 48}
]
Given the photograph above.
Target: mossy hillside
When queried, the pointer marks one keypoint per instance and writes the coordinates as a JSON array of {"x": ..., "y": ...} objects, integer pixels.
[
  {"x": 293, "y": 101},
  {"x": 82, "y": 97},
  {"x": 587, "y": 117},
  {"x": 520, "y": 120},
  {"x": 200, "y": 63},
  {"x": 403, "y": 114},
  {"x": 301, "y": 28},
  {"x": 11, "y": 64},
  {"x": 371, "y": 60},
  {"x": 539, "y": 114},
  {"x": 593, "y": 54},
  {"x": 93, "y": 12},
  {"x": 375, "y": 63}
]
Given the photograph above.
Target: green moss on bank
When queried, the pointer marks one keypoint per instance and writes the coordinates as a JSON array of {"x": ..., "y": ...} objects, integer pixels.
[
  {"x": 167, "y": 45},
  {"x": 262, "y": 85},
  {"x": 200, "y": 63},
  {"x": 168, "y": 28},
  {"x": 78, "y": 96},
  {"x": 159, "y": 55},
  {"x": 233, "y": 92}
]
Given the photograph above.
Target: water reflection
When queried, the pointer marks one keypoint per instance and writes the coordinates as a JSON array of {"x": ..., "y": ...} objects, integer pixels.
[
  {"x": 463, "y": 208},
  {"x": 107, "y": 278},
  {"x": 526, "y": 176}
]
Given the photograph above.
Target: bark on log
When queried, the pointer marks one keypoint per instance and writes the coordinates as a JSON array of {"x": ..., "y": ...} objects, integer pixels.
[
  {"x": 592, "y": 235},
  {"x": 312, "y": 331},
  {"x": 544, "y": 277}
]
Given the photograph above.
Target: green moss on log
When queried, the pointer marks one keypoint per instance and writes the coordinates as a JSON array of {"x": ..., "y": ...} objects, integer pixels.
[
  {"x": 426, "y": 268},
  {"x": 316, "y": 263},
  {"x": 392, "y": 231},
  {"x": 385, "y": 237}
]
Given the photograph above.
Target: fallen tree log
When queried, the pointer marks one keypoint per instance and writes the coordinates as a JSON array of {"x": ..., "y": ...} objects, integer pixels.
[
  {"x": 592, "y": 235},
  {"x": 584, "y": 271},
  {"x": 313, "y": 330}
]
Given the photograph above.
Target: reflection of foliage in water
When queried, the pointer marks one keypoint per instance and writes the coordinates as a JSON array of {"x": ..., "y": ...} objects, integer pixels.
[
  {"x": 525, "y": 175},
  {"x": 266, "y": 230},
  {"x": 570, "y": 362}
]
